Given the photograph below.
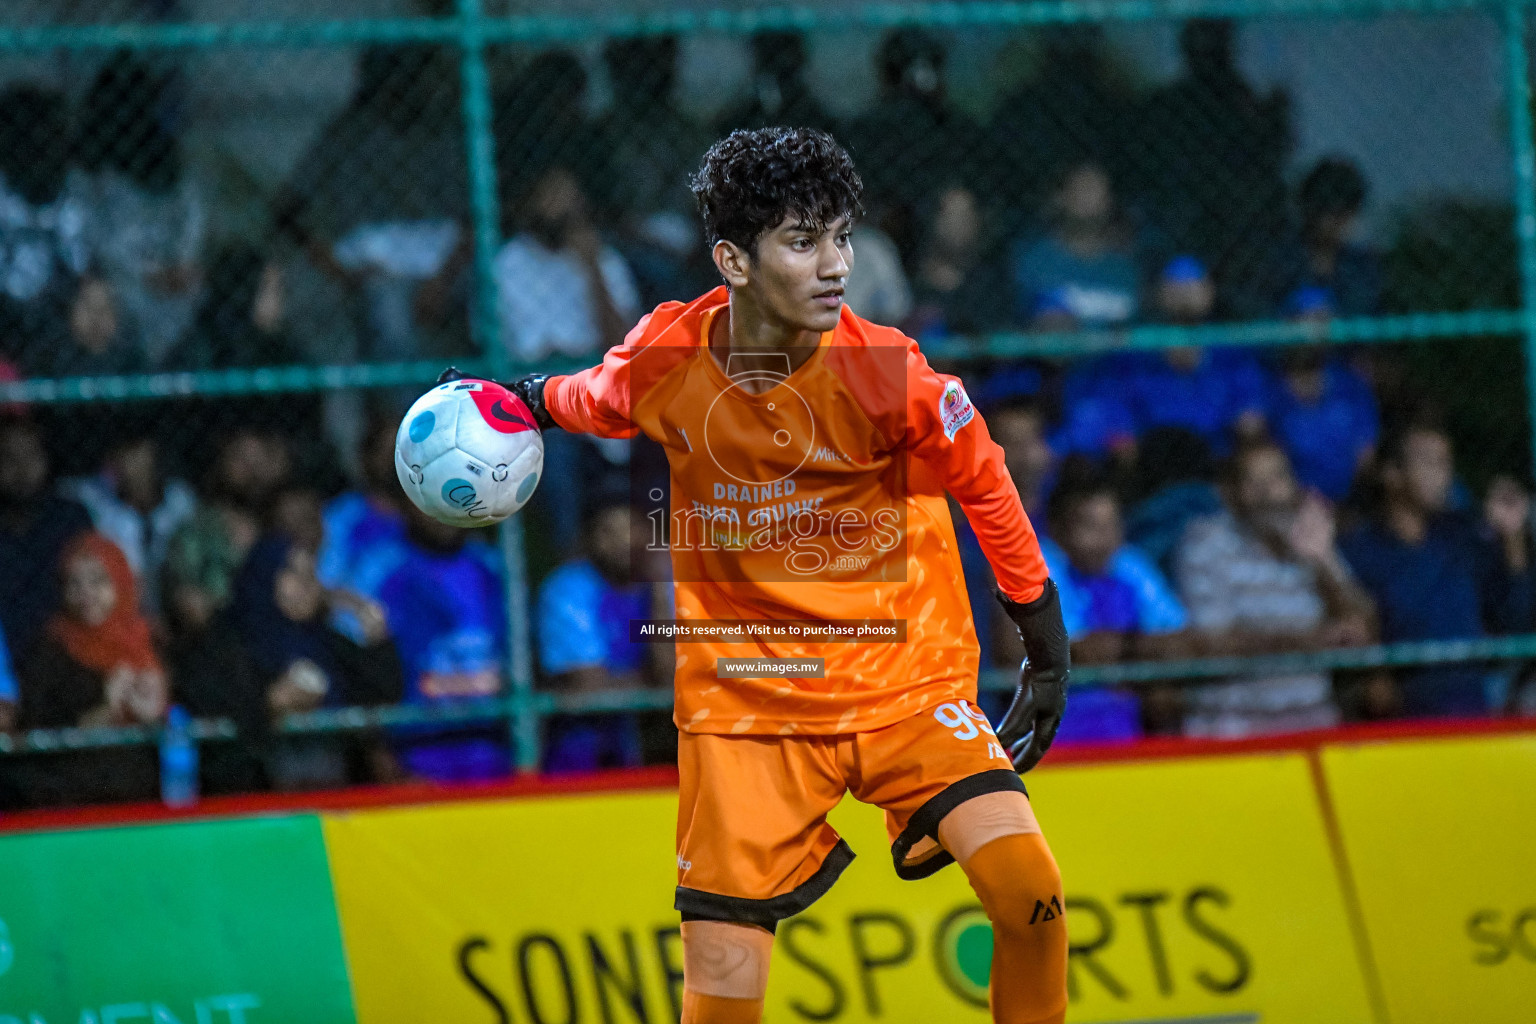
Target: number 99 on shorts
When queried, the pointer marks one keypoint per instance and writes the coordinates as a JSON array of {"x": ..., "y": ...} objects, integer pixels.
[{"x": 967, "y": 723}]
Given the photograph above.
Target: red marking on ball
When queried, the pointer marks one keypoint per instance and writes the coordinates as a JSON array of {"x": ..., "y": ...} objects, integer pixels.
[{"x": 502, "y": 410}]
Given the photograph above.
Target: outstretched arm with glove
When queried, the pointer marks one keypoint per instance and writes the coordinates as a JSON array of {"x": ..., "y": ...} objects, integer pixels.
[
  {"x": 529, "y": 388},
  {"x": 598, "y": 400}
]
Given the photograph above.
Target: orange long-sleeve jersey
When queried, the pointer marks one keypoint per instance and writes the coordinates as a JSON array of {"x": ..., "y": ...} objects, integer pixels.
[{"x": 821, "y": 498}]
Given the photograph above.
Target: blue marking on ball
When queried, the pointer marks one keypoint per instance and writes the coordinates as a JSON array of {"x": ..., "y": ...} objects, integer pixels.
[
  {"x": 459, "y": 492},
  {"x": 421, "y": 426},
  {"x": 525, "y": 489}
]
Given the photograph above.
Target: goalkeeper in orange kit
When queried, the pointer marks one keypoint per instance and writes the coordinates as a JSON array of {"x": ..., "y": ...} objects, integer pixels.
[{"x": 810, "y": 452}]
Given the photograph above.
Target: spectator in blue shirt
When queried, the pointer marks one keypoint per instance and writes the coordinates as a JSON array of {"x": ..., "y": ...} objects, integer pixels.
[
  {"x": 1438, "y": 575},
  {"x": 1216, "y": 392},
  {"x": 442, "y": 595},
  {"x": 1017, "y": 423},
  {"x": 280, "y": 612},
  {"x": 582, "y": 623},
  {"x": 8, "y": 692},
  {"x": 1115, "y": 603},
  {"x": 13, "y": 790},
  {"x": 1097, "y": 424},
  {"x": 1325, "y": 417},
  {"x": 361, "y": 520},
  {"x": 1082, "y": 272}
]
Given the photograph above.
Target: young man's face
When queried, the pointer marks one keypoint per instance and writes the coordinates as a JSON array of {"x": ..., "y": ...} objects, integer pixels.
[
  {"x": 1335, "y": 227},
  {"x": 611, "y": 540},
  {"x": 378, "y": 462},
  {"x": 1021, "y": 432},
  {"x": 252, "y": 465},
  {"x": 1094, "y": 534},
  {"x": 798, "y": 274},
  {"x": 297, "y": 591},
  {"x": 136, "y": 467},
  {"x": 298, "y": 513},
  {"x": 1427, "y": 470},
  {"x": 557, "y": 203},
  {"x": 1186, "y": 302},
  {"x": 1087, "y": 195},
  {"x": 23, "y": 464},
  {"x": 956, "y": 221},
  {"x": 1267, "y": 491},
  {"x": 93, "y": 317}
]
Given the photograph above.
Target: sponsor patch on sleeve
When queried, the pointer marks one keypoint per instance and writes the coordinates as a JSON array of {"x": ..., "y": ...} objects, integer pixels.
[{"x": 955, "y": 408}]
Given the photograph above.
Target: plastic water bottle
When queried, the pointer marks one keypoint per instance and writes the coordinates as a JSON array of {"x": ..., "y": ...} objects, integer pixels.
[{"x": 178, "y": 760}]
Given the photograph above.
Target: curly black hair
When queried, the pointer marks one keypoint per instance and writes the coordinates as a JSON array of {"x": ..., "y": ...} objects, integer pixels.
[{"x": 751, "y": 180}]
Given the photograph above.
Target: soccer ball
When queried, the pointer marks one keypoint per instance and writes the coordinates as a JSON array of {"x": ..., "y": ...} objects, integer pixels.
[{"x": 469, "y": 453}]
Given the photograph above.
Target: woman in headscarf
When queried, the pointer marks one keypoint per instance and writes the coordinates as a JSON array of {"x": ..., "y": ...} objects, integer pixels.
[
  {"x": 281, "y": 611},
  {"x": 95, "y": 665}
]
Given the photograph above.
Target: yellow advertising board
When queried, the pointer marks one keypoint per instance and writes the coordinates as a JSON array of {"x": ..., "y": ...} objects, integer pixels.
[
  {"x": 1197, "y": 891},
  {"x": 1201, "y": 890},
  {"x": 511, "y": 910},
  {"x": 1441, "y": 838}
]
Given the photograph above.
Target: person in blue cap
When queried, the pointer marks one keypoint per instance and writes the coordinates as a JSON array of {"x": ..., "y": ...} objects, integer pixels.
[
  {"x": 1217, "y": 393},
  {"x": 1319, "y": 408}
]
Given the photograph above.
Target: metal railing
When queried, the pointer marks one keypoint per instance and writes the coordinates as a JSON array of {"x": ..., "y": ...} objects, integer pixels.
[{"x": 536, "y": 705}]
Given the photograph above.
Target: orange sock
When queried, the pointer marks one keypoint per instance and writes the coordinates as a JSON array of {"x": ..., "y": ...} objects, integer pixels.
[
  {"x": 701, "y": 1009},
  {"x": 1020, "y": 889}
]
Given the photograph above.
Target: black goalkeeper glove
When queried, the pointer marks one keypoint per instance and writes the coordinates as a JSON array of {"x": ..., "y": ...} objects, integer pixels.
[
  {"x": 1030, "y": 725},
  {"x": 530, "y": 389}
]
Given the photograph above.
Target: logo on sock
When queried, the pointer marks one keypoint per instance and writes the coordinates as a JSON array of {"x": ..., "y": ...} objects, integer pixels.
[{"x": 1051, "y": 911}]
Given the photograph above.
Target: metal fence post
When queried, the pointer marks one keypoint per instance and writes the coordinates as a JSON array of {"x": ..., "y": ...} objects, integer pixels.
[
  {"x": 523, "y": 712},
  {"x": 526, "y": 714},
  {"x": 1517, "y": 68}
]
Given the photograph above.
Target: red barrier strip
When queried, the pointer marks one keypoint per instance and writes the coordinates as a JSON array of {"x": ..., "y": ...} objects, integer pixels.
[
  {"x": 415, "y": 793},
  {"x": 1377, "y": 732},
  {"x": 357, "y": 798}
]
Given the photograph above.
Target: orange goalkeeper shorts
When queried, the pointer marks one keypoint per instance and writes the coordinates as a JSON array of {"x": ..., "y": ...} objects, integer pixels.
[{"x": 753, "y": 842}]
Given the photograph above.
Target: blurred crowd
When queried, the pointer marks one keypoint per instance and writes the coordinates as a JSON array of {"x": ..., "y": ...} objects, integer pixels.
[
  {"x": 252, "y": 557},
  {"x": 1081, "y": 203},
  {"x": 1166, "y": 551}
]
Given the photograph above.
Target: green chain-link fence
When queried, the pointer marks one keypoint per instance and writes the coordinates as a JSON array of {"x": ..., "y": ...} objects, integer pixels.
[{"x": 234, "y": 243}]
